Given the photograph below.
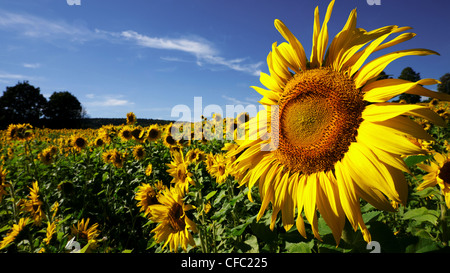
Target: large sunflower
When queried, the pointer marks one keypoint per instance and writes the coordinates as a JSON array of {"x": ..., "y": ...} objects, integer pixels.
[
  {"x": 331, "y": 137},
  {"x": 174, "y": 227}
]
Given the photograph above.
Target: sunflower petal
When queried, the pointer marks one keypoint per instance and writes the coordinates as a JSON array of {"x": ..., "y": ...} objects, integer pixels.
[
  {"x": 374, "y": 68},
  {"x": 270, "y": 83},
  {"x": 336, "y": 47},
  {"x": 384, "y": 90},
  {"x": 405, "y": 126},
  {"x": 300, "y": 59},
  {"x": 310, "y": 197},
  {"x": 329, "y": 205},
  {"x": 373, "y": 135}
]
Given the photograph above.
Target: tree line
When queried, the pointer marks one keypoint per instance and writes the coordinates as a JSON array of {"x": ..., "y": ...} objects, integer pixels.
[{"x": 24, "y": 103}]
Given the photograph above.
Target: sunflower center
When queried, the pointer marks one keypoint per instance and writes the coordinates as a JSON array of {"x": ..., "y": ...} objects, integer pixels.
[
  {"x": 318, "y": 118},
  {"x": 80, "y": 142},
  {"x": 153, "y": 133},
  {"x": 444, "y": 173},
  {"x": 181, "y": 174},
  {"x": 176, "y": 216}
]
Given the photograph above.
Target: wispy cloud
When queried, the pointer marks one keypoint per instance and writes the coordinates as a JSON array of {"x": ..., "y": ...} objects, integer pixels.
[
  {"x": 203, "y": 50},
  {"x": 37, "y": 27},
  {"x": 181, "y": 44},
  {"x": 31, "y": 65},
  {"x": 9, "y": 76},
  {"x": 106, "y": 100}
]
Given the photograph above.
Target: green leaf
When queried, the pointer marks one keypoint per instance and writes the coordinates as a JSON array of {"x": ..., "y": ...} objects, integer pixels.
[
  {"x": 263, "y": 232},
  {"x": 415, "y": 159},
  {"x": 422, "y": 245},
  {"x": 238, "y": 230},
  {"x": 85, "y": 248},
  {"x": 301, "y": 247},
  {"x": 422, "y": 214},
  {"x": 209, "y": 195},
  {"x": 370, "y": 215},
  {"x": 224, "y": 210},
  {"x": 253, "y": 243}
]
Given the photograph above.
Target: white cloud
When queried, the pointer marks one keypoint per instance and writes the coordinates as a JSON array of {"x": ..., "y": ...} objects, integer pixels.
[
  {"x": 186, "y": 45},
  {"x": 202, "y": 49},
  {"x": 106, "y": 101},
  {"x": 38, "y": 27},
  {"x": 31, "y": 65},
  {"x": 10, "y": 76}
]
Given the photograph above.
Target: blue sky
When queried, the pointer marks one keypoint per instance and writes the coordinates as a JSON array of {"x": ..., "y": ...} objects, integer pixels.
[{"x": 146, "y": 56}]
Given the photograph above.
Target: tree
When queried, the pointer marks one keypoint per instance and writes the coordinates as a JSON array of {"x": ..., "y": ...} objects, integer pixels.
[
  {"x": 383, "y": 76},
  {"x": 409, "y": 74},
  {"x": 444, "y": 86},
  {"x": 63, "y": 109},
  {"x": 22, "y": 103}
]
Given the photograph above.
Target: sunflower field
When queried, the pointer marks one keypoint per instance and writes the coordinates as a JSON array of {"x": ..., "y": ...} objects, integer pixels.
[{"x": 135, "y": 189}]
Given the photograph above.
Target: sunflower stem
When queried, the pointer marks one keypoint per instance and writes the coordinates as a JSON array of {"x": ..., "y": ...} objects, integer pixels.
[{"x": 443, "y": 220}]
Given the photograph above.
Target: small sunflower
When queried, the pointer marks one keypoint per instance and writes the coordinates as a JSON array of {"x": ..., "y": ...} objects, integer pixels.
[
  {"x": 218, "y": 170},
  {"x": 82, "y": 232},
  {"x": 131, "y": 118},
  {"x": 331, "y": 137},
  {"x": 194, "y": 155},
  {"x": 15, "y": 231},
  {"x": 138, "y": 134},
  {"x": 33, "y": 205},
  {"x": 149, "y": 169},
  {"x": 153, "y": 133},
  {"x": 47, "y": 155},
  {"x": 139, "y": 152},
  {"x": 78, "y": 142},
  {"x": 209, "y": 161},
  {"x": 107, "y": 155},
  {"x": 3, "y": 184},
  {"x": 50, "y": 231},
  {"x": 174, "y": 227},
  {"x": 178, "y": 169},
  {"x": 438, "y": 174},
  {"x": 146, "y": 195},
  {"x": 117, "y": 158},
  {"x": 98, "y": 142},
  {"x": 125, "y": 133},
  {"x": 21, "y": 132},
  {"x": 169, "y": 141}
]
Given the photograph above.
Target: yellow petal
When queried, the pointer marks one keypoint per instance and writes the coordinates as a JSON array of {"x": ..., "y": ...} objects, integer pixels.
[
  {"x": 371, "y": 175},
  {"x": 347, "y": 193},
  {"x": 384, "y": 90},
  {"x": 384, "y": 111},
  {"x": 374, "y": 68},
  {"x": 309, "y": 196},
  {"x": 337, "y": 47},
  {"x": 405, "y": 126},
  {"x": 373, "y": 135},
  {"x": 300, "y": 57},
  {"x": 329, "y": 205},
  {"x": 323, "y": 36},
  {"x": 270, "y": 83},
  {"x": 280, "y": 64},
  {"x": 316, "y": 29},
  {"x": 356, "y": 64}
]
